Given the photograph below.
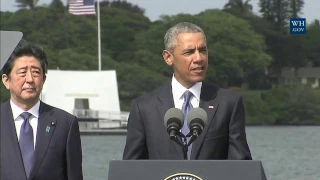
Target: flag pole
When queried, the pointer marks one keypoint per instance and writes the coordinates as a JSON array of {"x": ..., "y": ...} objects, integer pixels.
[{"x": 99, "y": 35}]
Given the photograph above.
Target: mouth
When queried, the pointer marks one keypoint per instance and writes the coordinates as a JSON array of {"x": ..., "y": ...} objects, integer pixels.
[
  {"x": 29, "y": 89},
  {"x": 199, "y": 69}
]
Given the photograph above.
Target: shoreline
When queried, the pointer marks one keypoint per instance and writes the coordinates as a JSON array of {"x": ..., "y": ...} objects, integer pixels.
[
  {"x": 122, "y": 132},
  {"x": 114, "y": 132}
]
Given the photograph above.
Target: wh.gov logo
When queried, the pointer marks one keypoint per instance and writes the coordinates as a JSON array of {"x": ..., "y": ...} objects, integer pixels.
[
  {"x": 298, "y": 26},
  {"x": 183, "y": 176}
]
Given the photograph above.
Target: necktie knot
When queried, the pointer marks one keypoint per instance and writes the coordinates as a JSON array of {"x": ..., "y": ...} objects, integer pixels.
[
  {"x": 25, "y": 115},
  {"x": 187, "y": 96}
]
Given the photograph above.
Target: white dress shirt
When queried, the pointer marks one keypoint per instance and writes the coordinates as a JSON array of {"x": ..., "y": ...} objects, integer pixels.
[
  {"x": 178, "y": 90},
  {"x": 18, "y": 120}
]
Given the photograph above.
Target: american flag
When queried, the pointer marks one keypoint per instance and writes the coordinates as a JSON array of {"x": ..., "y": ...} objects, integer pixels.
[{"x": 82, "y": 7}]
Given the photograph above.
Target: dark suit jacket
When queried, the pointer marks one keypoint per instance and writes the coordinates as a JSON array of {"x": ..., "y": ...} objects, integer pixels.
[
  {"x": 223, "y": 137},
  {"x": 58, "y": 154}
]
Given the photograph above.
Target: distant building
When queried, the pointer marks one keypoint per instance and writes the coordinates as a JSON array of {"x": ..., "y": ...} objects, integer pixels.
[
  {"x": 92, "y": 96},
  {"x": 308, "y": 76}
]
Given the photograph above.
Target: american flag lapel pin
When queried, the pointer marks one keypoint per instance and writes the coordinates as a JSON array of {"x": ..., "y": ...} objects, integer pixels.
[{"x": 211, "y": 107}]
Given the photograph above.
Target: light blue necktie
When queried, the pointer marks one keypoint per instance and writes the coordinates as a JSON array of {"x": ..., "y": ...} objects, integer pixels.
[
  {"x": 26, "y": 143},
  {"x": 185, "y": 108}
]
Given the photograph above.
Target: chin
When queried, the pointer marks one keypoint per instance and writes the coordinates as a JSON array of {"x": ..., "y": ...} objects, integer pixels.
[
  {"x": 198, "y": 79},
  {"x": 30, "y": 97}
]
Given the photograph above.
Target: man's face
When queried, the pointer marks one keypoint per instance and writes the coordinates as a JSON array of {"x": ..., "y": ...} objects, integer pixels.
[
  {"x": 25, "y": 81},
  {"x": 189, "y": 58}
]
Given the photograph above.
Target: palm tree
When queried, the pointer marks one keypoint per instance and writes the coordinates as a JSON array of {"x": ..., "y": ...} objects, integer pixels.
[
  {"x": 238, "y": 7},
  {"x": 31, "y": 4}
]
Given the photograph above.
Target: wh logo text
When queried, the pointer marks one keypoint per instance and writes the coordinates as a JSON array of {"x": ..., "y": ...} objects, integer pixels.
[{"x": 297, "y": 25}]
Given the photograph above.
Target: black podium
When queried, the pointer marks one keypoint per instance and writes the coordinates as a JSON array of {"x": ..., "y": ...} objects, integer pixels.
[{"x": 186, "y": 170}]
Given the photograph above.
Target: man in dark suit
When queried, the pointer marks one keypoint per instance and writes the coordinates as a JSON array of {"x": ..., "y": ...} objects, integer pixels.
[
  {"x": 38, "y": 141},
  {"x": 224, "y": 135}
]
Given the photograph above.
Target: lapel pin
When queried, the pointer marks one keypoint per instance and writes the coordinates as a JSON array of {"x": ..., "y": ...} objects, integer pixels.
[
  {"x": 48, "y": 129},
  {"x": 53, "y": 124},
  {"x": 211, "y": 107}
]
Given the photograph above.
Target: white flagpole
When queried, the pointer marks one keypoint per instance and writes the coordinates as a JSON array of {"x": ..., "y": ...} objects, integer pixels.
[{"x": 99, "y": 35}]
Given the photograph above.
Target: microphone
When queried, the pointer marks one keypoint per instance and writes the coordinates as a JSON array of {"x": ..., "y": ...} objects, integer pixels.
[
  {"x": 197, "y": 119},
  {"x": 173, "y": 121}
]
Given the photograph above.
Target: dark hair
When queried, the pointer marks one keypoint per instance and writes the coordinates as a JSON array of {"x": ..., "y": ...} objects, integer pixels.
[{"x": 26, "y": 49}]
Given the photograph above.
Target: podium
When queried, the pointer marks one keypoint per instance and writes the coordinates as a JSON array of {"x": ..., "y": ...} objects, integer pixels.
[{"x": 186, "y": 170}]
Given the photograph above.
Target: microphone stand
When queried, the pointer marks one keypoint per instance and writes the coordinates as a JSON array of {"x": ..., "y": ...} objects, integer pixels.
[{"x": 183, "y": 144}]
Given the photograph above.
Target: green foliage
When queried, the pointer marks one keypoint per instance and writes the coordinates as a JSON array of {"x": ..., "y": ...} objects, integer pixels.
[
  {"x": 257, "y": 110},
  {"x": 278, "y": 12},
  {"x": 235, "y": 50},
  {"x": 311, "y": 43},
  {"x": 27, "y": 3},
  {"x": 239, "y": 8},
  {"x": 4, "y": 93},
  {"x": 293, "y": 105}
]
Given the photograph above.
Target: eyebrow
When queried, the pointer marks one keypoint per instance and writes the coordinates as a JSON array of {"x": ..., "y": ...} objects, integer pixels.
[
  {"x": 25, "y": 67},
  {"x": 35, "y": 67},
  {"x": 193, "y": 49}
]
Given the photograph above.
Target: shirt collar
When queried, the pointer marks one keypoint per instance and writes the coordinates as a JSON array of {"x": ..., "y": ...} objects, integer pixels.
[
  {"x": 178, "y": 90},
  {"x": 16, "y": 110}
]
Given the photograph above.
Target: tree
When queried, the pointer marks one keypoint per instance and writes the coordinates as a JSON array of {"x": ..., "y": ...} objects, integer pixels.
[
  {"x": 295, "y": 8},
  {"x": 266, "y": 9},
  {"x": 238, "y": 7},
  {"x": 31, "y": 4},
  {"x": 122, "y": 4},
  {"x": 311, "y": 43},
  {"x": 279, "y": 11}
]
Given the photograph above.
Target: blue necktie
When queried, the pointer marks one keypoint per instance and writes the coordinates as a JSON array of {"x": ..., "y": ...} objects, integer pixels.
[
  {"x": 26, "y": 143},
  {"x": 185, "y": 108}
]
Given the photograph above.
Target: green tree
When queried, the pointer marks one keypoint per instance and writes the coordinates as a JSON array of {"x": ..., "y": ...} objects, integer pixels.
[
  {"x": 279, "y": 11},
  {"x": 27, "y": 3},
  {"x": 296, "y": 8},
  {"x": 311, "y": 43},
  {"x": 239, "y": 8},
  {"x": 266, "y": 9},
  {"x": 235, "y": 50}
]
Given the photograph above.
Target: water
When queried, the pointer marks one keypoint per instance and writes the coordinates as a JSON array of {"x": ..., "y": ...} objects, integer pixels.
[{"x": 287, "y": 153}]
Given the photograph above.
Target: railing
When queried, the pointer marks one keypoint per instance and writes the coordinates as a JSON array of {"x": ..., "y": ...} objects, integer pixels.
[{"x": 101, "y": 115}]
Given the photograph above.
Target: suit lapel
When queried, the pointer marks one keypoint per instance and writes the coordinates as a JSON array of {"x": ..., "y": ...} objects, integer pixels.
[
  {"x": 210, "y": 105},
  {"x": 46, "y": 127},
  {"x": 166, "y": 102},
  {"x": 11, "y": 143}
]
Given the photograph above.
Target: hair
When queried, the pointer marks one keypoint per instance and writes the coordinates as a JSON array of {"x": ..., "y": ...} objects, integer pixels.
[
  {"x": 25, "y": 48},
  {"x": 170, "y": 38}
]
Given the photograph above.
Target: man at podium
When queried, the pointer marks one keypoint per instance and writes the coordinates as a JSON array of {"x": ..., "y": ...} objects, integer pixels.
[{"x": 223, "y": 135}]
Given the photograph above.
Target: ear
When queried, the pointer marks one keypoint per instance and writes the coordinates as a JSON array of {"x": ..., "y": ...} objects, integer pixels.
[
  {"x": 5, "y": 81},
  {"x": 168, "y": 57},
  {"x": 44, "y": 78}
]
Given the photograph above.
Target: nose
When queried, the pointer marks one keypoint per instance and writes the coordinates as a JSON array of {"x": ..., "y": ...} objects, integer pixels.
[
  {"x": 198, "y": 56},
  {"x": 29, "y": 77}
]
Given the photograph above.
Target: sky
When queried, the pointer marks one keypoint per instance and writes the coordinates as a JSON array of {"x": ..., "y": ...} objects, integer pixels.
[{"x": 155, "y": 8}]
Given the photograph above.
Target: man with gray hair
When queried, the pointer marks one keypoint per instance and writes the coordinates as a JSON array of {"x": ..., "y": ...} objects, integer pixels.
[{"x": 223, "y": 136}]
